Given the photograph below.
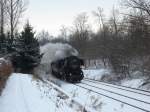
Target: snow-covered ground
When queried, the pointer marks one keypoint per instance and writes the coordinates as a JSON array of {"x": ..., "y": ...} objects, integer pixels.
[
  {"x": 24, "y": 93},
  {"x": 96, "y": 73},
  {"x": 100, "y": 103}
]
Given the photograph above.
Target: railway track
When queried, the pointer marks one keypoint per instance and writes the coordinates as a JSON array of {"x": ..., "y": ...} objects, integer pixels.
[
  {"x": 139, "y": 99},
  {"x": 120, "y": 86}
]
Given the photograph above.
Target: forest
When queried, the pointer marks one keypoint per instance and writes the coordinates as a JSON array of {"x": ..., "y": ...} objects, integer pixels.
[{"x": 121, "y": 41}]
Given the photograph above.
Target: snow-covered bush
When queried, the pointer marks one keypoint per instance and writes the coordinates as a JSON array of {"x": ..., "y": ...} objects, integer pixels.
[{"x": 52, "y": 52}]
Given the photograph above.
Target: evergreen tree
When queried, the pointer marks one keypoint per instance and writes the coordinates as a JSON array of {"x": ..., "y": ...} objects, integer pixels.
[{"x": 27, "y": 54}]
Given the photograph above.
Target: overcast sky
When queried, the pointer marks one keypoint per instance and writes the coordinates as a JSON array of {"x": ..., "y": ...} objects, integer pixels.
[{"x": 50, "y": 15}]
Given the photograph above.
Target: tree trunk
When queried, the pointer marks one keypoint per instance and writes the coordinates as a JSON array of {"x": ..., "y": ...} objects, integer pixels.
[
  {"x": 2, "y": 17},
  {"x": 11, "y": 21}
]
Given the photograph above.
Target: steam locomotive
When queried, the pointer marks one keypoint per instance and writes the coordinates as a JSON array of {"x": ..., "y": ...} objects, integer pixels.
[{"x": 68, "y": 69}]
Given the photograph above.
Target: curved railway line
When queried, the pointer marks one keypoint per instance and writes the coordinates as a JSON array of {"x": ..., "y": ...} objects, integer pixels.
[
  {"x": 139, "y": 99},
  {"x": 119, "y": 86}
]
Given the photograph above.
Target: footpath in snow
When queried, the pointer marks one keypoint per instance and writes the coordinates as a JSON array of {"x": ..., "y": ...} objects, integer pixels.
[{"x": 23, "y": 93}]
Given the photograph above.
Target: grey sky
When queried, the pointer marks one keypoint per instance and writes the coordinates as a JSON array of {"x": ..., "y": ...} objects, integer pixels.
[{"x": 50, "y": 15}]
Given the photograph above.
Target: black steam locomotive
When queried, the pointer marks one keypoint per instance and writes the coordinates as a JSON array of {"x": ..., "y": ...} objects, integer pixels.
[{"x": 68, "y": 69}]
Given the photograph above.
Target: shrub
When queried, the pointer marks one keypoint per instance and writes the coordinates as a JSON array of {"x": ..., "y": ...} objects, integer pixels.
[
  {"x": 5, "y": 70},
  {"x": 27, "y": 51}
]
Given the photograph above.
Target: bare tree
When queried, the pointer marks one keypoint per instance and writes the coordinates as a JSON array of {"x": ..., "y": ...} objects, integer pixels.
[
  {"x": 43, "y": 37},
  {"x": 114, "y": 21},
  {"x": 143, "y": 5},
  {"x": 80, "y": 34},
  {"x": 102, "y": 34},
  {"x": 15, "y": 9},
  {"x": 81, "y": 22},
  {"x": 64, "y": 32},
  {"x": 100, "y": 17},
  {"x": 2, "y": 15}
]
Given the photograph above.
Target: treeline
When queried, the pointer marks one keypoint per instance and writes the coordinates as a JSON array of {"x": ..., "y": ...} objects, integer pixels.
[
  {"x": 23, "y": 51},
  {"x": 10, "y": 14},
  {"x": 21, "y": 47},
  {"x": 122, "y": 41}
]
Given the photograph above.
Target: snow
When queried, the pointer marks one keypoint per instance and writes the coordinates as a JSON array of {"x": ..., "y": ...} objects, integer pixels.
[
  {"x": 125, "y": 96},
  {"x": 96, "y": 73},
  {"x": 2, "y": 60},
  {"x": 134, "y": 83},
  {"x": 100, "y": 103},
  {"x": 23, "y": 93}
]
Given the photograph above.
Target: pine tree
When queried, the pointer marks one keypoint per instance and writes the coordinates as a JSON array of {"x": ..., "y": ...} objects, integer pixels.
[{"x": 27, "y": 54}]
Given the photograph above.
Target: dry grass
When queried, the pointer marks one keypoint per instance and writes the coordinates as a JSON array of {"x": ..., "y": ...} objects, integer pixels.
[{"x": 5, "y": 70}]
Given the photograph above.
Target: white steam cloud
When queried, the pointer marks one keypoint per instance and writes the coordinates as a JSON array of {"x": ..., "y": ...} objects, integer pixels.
[{"x": 52, "y": 52}]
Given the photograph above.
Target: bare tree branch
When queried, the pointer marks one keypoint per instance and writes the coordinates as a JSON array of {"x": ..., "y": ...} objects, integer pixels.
[{"x": 15, "y": 9}]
